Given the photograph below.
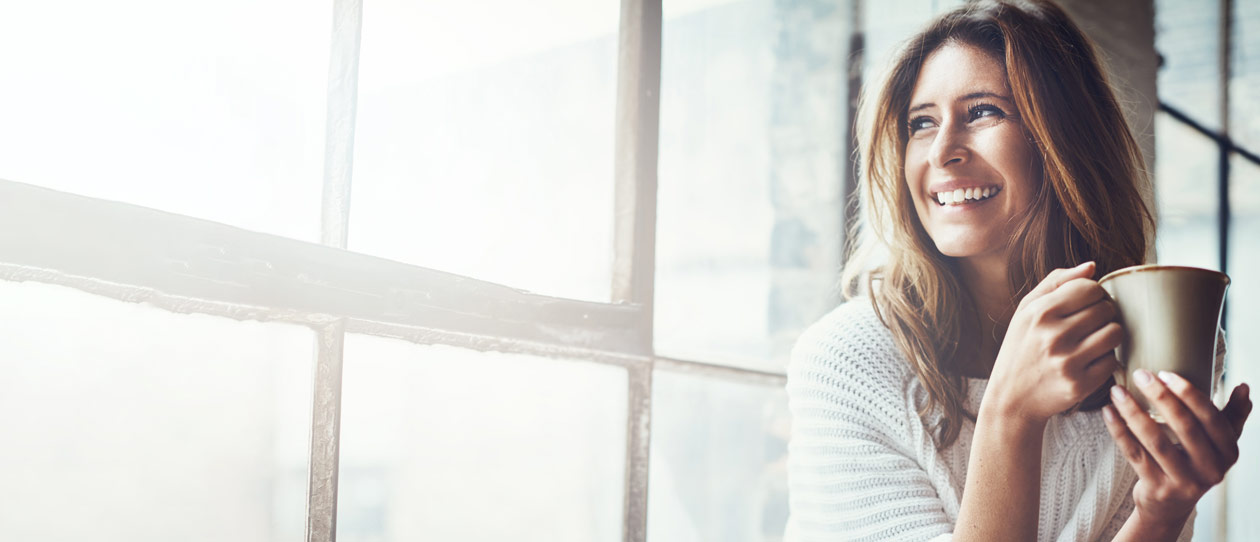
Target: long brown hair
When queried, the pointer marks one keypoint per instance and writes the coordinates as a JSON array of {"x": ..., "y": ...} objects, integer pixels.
[{"x": 1087, "y": 207}]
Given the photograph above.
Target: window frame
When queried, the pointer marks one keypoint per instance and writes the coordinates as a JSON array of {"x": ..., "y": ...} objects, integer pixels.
[{"x": 189, "y": 265}]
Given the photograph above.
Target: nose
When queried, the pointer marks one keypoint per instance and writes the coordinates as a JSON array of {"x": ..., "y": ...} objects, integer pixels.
[{"x": 949, "y": 148}]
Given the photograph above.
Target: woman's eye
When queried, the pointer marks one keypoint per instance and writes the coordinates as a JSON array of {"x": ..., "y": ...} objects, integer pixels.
[
  {"x": 986, "y": 110},
  {"x": 919, "y": 123}
]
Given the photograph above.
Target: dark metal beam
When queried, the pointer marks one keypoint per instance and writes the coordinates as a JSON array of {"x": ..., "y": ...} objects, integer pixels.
[{"x": 1215, "y": 136}]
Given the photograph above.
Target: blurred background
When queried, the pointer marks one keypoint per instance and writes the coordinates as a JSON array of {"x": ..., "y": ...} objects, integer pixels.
[{"x": 483, "y": 145}]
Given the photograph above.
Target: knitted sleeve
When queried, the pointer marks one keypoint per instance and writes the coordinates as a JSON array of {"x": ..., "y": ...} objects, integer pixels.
[{"x": 852, "y": 468}]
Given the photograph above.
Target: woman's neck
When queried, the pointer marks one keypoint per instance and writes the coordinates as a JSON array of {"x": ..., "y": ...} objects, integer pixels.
[{"x": 985, "y": 278}]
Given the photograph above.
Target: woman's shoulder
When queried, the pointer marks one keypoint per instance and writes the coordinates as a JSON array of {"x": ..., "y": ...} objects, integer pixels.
[{"x": 850, "y": 341}]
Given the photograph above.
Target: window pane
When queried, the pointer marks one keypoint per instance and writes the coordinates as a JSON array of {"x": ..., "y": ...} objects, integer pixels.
[
  {"x": 441, "y": 443},
  {"x": 888, "y": 23},
  {"x": 719, "y": 461},
  {"x": 1244, "y": 82},
  {"x": 209, "y": 109},
  {"x": 1244, "y": 344},
  {"x": 1187, "y": 38},
  {"x": 752, "y": 155},
  {"x": 1186, "y": 188},
  {"x": 484, "y": 140},
  {"x": 123, "y": 422}
]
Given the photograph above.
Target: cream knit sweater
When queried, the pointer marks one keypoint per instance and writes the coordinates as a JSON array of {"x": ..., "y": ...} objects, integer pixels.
[{"x": 862, "y": 465}]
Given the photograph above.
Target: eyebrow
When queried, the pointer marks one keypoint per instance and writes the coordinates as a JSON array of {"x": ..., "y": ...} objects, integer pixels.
[{"x": 972, "y": 96}]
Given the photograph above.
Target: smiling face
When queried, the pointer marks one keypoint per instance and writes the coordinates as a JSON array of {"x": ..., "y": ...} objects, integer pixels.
[{"x": 970, "y": 168}]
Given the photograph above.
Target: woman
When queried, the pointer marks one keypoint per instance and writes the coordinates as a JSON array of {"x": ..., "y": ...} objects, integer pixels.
[{"x": 967, "y": 397}]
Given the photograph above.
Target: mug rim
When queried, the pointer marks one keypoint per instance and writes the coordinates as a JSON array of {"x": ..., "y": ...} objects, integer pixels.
[{"x": 1160, "y": 267}]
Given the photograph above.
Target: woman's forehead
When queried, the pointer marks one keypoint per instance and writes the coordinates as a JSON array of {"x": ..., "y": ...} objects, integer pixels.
[{"x": 958, "y": 71}]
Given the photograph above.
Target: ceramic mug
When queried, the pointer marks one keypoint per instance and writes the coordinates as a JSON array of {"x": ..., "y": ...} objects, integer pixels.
[{"x": 1170, "y": 315}]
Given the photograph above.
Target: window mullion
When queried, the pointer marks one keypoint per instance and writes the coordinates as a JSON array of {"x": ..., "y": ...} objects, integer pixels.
[
  {"x": 1223, "y": 210},
  {"x": 1223, "y": 56},
  {"x": 849, "y": 194},
  {"x": 321, "y": 508},
  {"x": 343, "y": 81},
  {"x": 634, "y": 259},
  {"x": 638, "y": 449},
  {"x": 635, "y": 159}
]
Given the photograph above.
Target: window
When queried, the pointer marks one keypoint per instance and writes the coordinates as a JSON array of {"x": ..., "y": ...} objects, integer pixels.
[
  {"x": 390, "y": 277},
  {"x": 1206, "y": 181}
]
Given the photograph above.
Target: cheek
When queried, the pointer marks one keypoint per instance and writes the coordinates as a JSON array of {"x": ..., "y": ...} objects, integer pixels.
[
  {"x": 915, "y": 161},
  {"x": 913, "y": 185},
  {"x": 915, "y": 169},
  {"x": 1021, "y": 167}
]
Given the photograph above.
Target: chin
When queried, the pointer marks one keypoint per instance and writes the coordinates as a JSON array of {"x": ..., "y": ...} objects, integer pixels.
[
  {"x": 951, "y": 252},
  {"x": 961, "y": 249}
]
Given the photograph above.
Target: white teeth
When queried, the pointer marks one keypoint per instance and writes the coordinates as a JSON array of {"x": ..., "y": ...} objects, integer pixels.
[{"x": 960, "y": 195}]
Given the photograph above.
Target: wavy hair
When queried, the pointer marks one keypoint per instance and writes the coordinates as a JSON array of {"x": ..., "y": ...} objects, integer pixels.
[{"x": 1087, "y": 207}]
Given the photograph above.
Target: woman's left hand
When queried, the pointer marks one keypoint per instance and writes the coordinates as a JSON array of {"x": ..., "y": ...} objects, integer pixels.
[{"x": 1172, "y": 478}]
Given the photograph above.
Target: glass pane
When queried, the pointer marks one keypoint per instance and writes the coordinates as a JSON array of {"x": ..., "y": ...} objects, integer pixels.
[
  {"x": 123, "y": 422},
  {"x": 886, "y": 24},
  {"x": 719, "y": 461},
  {"x": 484, "y": 140},
  {"x": 1244, "y": 82},
  {"x": 209, "y": 109},
  {"x": 1243, "y": 361},
  {"x": 1186, "y": 195},
  {"x": 752, "y": 166},
  {"x": 1187, "y": 38},
  {"x": 751, "y": 160},
  {"x": 440, "y": 443}
]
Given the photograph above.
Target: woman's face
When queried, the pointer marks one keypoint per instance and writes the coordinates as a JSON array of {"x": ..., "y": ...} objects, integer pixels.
[{"x": 969, "y": 166}]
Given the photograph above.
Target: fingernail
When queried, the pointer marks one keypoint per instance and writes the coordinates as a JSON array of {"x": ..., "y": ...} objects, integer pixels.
[
  {"x": 1171, "y": 378},
  {"x": 1109, "y": 413},
  {"x": 1246, "y": 391},
  {"x": 1118, "y": 395},
  {"x": 1142, "y": 376},
  {"x": 1082, "y": 266}
]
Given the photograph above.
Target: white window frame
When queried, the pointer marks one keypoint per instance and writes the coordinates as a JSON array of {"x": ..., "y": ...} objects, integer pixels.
[{"x": 189, "y": 265}]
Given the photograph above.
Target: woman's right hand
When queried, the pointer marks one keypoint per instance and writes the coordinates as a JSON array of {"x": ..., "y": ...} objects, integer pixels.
[{"x": 1058, "y": 349}]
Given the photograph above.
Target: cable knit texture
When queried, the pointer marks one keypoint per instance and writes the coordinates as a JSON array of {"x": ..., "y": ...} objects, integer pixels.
[{"x": 863, "y": 466}]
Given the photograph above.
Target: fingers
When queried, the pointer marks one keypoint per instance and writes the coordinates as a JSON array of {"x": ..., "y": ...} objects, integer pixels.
[
  {"x": 1210, "y": 456},
  {"x": 1171, "y": 461},
  {"x": 1129, "y": 446},
  {"x": 1101, "y": 368},
  {"x": 1075, "y": 295},
  {"x": 1216, "y": 424},
  {"x": 1238, "y": 408},
  {"x": 1090, "y": 319},
  {"x": 1099, "y": 343},
  {"x": 1057, "y": 278}
]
